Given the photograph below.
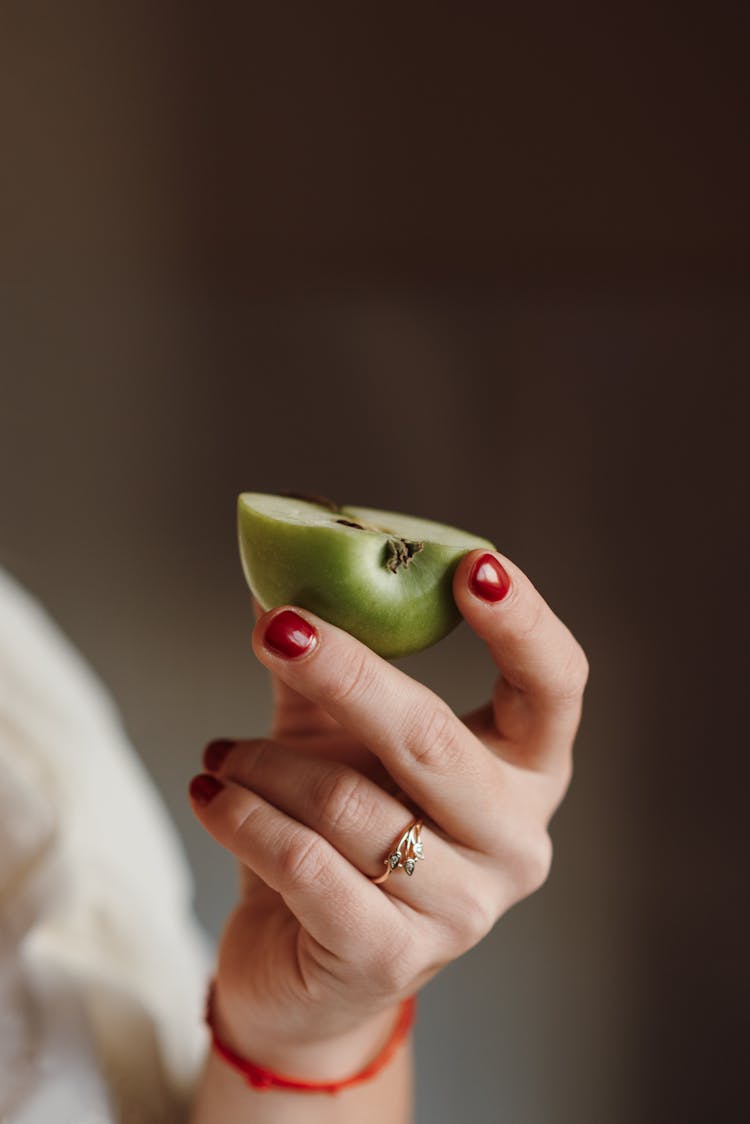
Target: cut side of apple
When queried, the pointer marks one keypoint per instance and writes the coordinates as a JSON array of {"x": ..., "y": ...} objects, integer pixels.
[{"x": 384, "y": 577}]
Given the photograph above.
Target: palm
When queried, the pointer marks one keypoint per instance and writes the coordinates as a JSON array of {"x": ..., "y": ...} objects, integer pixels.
[
  {"x": 266, "y": 957},
  {"x": 264, "y": 950}
]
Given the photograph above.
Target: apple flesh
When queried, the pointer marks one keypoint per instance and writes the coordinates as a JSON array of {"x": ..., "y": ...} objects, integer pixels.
[{"x": 383, "y": 577}]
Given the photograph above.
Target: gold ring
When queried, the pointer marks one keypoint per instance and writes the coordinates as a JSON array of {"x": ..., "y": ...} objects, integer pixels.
[{"x": 404, "y": 853}]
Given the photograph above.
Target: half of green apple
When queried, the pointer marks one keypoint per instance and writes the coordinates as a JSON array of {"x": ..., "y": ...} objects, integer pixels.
[{"x": 383, "y": 577}]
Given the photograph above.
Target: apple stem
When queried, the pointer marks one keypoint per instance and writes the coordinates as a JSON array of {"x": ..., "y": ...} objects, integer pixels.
[{"x": 402, "y": 552}]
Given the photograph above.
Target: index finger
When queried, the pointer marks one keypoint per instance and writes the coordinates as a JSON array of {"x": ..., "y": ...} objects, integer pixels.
[
  {"x": 427, "y": 750},
  {"x": 537, "y": 699},
  {"x": 293, "y": 714}
]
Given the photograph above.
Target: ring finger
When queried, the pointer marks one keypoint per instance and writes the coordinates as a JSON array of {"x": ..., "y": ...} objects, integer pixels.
[{"x": 363, "y": 822}]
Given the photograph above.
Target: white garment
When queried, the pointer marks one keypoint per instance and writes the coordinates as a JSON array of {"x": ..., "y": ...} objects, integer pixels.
[{"x": 102, "y": 968}]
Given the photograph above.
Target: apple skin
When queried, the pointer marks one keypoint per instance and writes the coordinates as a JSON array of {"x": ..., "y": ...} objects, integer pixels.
[{"x": 341, "y": 574}]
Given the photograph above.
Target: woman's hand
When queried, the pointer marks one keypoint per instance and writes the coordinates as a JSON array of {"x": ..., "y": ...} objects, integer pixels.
[{"x": 316, "y": 957}]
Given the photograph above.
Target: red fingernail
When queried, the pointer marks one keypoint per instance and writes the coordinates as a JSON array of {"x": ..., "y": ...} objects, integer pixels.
[
  {"x": 488, "y": 579},
  {"x": 215, "y": 752},
  {"x": 290, "y": 635},
  {"x": 203, "y": 788}
]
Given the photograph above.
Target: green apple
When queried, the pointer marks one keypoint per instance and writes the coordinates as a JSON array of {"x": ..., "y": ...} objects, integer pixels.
[{"x": 383, "y": 577}]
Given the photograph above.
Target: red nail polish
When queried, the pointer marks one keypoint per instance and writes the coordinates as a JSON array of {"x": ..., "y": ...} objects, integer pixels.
[
  {"x": 290, "y": 635},
  {"x": 203, "y": 788},
  {"x": 215, "y": 752},
  {"x": 488, "y": 579}
]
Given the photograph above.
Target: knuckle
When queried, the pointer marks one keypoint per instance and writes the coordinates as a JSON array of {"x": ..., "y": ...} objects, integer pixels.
[
  {"x": 533, "y": 619},
  {"x": 354, "y": 679},
  {"x": 570, "y": 682},
  {"x": 473, "y": 921},
  {"x": 303, "y": 859},
  {"x": 390, "y": 969},
  {"x": 342, "y": 801},
  {"x": 535, "y": 863},
  {"x": 251, "y": 755},
  {"x": 432, "y": 737},
  {"x": 579, "y": 668},
  {"x": 482, "y": 918},
  {"x": 243, "y": 827}
]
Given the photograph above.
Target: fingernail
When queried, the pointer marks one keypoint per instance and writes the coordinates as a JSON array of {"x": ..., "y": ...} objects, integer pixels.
[
  {"x": 215, "y": 752},
  {"x": 488, "y": 579},
  {"x": 290, "y": 635},
  {"x": 203, "y": 788}
]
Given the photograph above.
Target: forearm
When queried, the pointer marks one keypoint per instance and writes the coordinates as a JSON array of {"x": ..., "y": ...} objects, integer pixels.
[{"x": 225, "y": 1097}]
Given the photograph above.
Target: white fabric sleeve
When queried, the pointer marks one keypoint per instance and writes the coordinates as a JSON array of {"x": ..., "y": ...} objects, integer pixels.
[{"x": 95, "y": 893}]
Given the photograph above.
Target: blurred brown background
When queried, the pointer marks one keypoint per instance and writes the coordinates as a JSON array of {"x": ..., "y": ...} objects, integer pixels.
[{"x": 485, "y": 265}]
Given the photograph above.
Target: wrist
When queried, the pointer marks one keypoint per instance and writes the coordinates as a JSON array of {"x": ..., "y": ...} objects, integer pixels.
[{"x": 334, "y": 1057}]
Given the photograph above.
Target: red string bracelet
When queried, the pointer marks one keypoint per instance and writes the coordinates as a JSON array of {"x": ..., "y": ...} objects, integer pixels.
[{"x": 261, "y": 1078}]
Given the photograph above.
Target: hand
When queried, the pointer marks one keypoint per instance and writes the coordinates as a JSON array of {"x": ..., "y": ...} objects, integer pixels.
[{"x": 316, "y": 953}]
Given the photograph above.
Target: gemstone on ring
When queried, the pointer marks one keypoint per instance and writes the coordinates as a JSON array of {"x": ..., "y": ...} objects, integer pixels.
[{"x": 407, "y": 849}]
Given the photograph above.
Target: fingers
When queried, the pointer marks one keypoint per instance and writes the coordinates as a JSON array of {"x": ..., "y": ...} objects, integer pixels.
[
  {"x": 294, "y": 715},
  {"x": 536, "y": 704},
  {"x": 331, "y": 899},
  {"x": 317, "y": 832},
  {"x": 355, "y": 815},
  {"x": 423, "y": 745}
]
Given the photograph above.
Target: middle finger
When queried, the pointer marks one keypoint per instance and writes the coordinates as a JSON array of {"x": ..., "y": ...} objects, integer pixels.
[{"x": 363, "y": 823}]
